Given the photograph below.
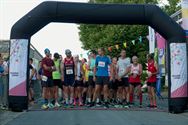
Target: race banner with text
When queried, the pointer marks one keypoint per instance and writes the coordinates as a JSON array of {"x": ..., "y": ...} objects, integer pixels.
[
  {"x": 18, "y": 67},
  {"x": 178, "y": 70}
]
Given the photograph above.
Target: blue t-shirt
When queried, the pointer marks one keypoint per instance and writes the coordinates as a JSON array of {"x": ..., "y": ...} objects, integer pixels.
[{"x": 102, "y": 63}]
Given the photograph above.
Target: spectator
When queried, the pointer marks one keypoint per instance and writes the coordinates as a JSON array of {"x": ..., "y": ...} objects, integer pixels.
[
  {"x": 32, "y": 80},
  {"x": 5, "y": 65},
  {"x": 2, "y": 87}
]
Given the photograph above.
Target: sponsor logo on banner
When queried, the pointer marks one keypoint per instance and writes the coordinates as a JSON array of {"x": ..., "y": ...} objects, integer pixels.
[{"x": 18, "y": 67}]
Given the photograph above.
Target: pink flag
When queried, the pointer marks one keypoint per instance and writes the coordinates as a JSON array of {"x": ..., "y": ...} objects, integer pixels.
[{"x": 160, "y": 41}]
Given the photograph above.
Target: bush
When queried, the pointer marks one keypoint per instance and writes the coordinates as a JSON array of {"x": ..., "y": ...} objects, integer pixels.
[{"x": 143, "y": 76}]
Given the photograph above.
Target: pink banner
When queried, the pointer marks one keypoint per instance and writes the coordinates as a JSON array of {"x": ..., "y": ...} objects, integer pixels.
[{"x": 160, "y": 41}]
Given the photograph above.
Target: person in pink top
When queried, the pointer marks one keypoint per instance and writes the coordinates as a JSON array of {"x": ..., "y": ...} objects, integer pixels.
[{"x": 135, "y": 71}]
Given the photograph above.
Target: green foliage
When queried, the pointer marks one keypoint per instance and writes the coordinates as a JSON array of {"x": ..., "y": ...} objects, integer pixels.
[
  {"x": 143, "y": 76},
  {"x": 96, "y": 36},
  {"x": 171, "y": 7}
]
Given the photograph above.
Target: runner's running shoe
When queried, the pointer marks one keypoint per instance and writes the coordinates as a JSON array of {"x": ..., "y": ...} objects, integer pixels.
[
  {"x": 74, "y": 103},
  {"x": 57, "y": 105},
  {"x": 131, "y": 104},
  {"x": 154, "y": 106},
  {"x": 150, "y": 106},
  {"x": 50, "y": 105},
  {"x": 88, "y": 103},
  {"x": 44, "y": 106},
  {"x": 126, "y": 106},
  {"x": 80, "y": 104},
  {"x": 92, "y": 104},
  {"x": 66, "y": 106},
  {"x": 106, "y": 105},
  {"x": 98, "y": 104}
]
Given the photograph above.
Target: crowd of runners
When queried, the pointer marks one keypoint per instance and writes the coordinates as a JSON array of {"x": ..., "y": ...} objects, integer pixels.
[{"x": 98, "y": 81}]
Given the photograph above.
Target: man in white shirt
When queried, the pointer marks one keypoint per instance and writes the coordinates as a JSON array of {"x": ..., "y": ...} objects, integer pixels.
[{"x": 123, "y": 84}]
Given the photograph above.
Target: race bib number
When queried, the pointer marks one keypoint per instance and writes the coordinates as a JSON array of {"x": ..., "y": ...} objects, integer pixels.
[
  {"x": 122, "y": 70},
  {"x": 135, "y": 72},
  {"x": 69, "y": 71},
  {"x": 44, "y": 78},
  {"x": 101, "y": 64}
]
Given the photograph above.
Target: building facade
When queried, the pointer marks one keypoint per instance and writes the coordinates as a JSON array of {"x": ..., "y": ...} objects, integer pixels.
[{"x": 5, "y": 46}]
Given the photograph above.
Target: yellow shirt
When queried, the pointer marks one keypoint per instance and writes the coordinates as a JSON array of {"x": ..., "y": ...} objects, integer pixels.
[{"x": 86, "y": 72}]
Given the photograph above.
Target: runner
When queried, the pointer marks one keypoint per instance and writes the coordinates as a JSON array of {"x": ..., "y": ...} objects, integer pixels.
[
  {"x": 33, "y": 79},
  {"x": 78, "y": 81},
  {"x": 91, "y": 82},
  {"x": 50, "y": 56},
  {"x": 135, "y": 71},
  {"x": 68, "y": 76},
  {"x": 113, "y": 82},
  {"x": 85, "y": 79},
  {"x": 102, "y": 77},
  {"x": 57, "y": 78},
  {"x": 151, "y": 80},
  {"x": 60, "y": 87},
  {"x": 123, "y": 84},
  {"x": 48, "y": 67}
]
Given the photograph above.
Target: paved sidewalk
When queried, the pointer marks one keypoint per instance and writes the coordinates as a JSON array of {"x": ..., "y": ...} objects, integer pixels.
[{"x": 7, "y": 116}]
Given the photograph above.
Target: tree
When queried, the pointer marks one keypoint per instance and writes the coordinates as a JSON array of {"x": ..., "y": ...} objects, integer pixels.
[
  {"x": 171, "y": 7},
  {"x": 96, "y": 36}
]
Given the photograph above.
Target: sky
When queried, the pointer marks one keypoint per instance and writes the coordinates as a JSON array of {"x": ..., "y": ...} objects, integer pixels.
[{"x": 55, "y": 36}]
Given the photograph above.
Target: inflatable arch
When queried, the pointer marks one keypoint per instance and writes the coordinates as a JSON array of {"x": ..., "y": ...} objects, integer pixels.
[{"x": 142, "y": 14}]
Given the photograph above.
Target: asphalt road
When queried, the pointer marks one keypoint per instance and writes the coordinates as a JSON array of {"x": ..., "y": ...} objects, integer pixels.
[
  {"x": 98, "y": 117},
  {"x": 95, "y": 116}
]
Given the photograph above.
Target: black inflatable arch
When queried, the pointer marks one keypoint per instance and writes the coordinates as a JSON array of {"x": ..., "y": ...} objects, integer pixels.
[{"x": 143, "y": 14}]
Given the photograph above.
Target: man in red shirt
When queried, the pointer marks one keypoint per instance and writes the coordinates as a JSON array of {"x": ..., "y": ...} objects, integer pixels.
[
  {"x": 48, "y": 67},
  {"x": 69, "y": 74}
]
